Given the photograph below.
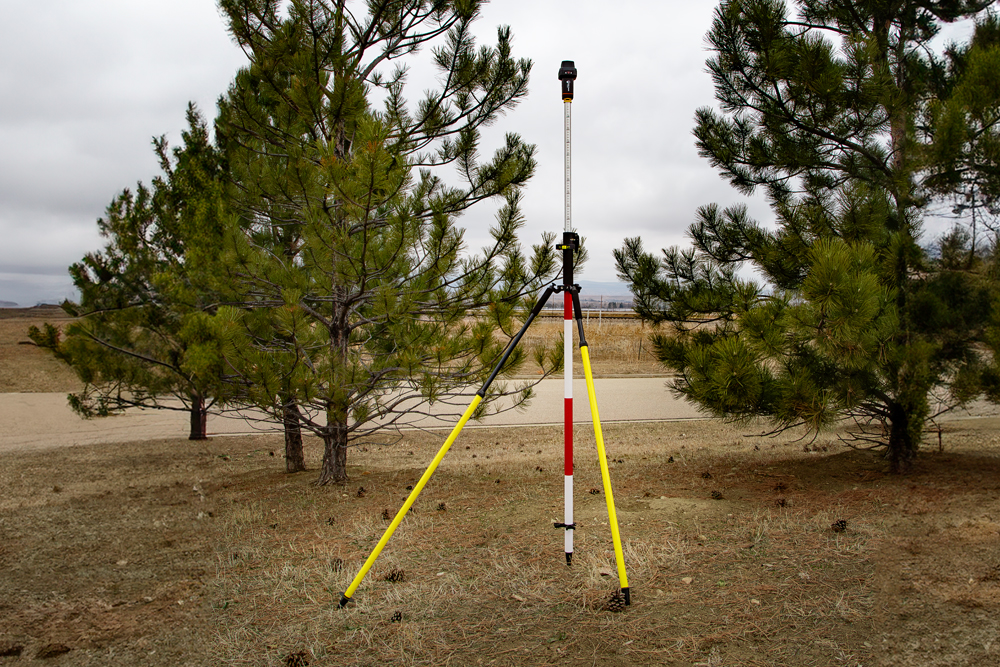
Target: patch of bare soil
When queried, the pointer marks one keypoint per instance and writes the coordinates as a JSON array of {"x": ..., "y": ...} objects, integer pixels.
[
  {"x": 938, "y": 577},
  {"x": 24, "y": 367},
  {"x": 740, "y": 551}
]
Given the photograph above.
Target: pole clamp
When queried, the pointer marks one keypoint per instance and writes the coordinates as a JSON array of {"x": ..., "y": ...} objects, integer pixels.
[
  {"x": 572, "y": 289},
  {"x": 567, "y": 526},
  {"x": 570, "y": 241}
]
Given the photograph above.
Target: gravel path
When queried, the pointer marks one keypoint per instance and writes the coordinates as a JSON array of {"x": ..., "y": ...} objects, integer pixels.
[{"x": 42, "y": 421}]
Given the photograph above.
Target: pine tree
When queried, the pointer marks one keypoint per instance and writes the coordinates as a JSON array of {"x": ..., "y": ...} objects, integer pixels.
[
  {"x": 964, "y": 160},
  {"x": 143, "y": 337},
  {"x": 361, "y": 303},
  {"x": 824, "y": 109}
]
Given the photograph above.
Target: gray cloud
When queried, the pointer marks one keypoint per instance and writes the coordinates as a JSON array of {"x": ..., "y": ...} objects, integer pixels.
[
  {"x": 642, "y": 75},
  {"x": 87, "y": 84}
]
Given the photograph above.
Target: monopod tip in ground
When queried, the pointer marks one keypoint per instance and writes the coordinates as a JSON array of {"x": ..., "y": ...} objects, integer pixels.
[{"x": 344, "y": 600}]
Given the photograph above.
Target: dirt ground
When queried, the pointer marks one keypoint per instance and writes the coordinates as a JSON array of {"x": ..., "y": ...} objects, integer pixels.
[
  {"x": 169, "y": 552},
  {"x": 176, "y": 553}
]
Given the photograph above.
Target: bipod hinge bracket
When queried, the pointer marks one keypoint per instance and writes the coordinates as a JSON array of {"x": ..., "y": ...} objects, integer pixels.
[
  {"x": 572, "y": 289},
  {"x": 567, "y": 526}
]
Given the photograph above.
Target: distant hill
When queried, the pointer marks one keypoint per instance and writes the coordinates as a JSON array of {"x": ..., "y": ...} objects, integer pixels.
[
  {"x": 8, "y": 304},
  {"x": 594, "y": 288}
]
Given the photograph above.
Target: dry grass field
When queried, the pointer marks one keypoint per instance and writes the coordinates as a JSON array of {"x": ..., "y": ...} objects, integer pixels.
[
  {"x": 23, "y": 367},
  {"x": 176, "y": 553},
  {"x": 618, "y": 346}
]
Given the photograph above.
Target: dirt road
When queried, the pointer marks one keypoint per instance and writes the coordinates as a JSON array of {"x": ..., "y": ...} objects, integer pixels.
[{"x": 44, "y": 420}]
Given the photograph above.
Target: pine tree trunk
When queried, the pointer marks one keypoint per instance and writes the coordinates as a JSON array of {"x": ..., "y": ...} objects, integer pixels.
[
  {"x": 334, "y": 470},
  {"x": 199, "y": 419},
  {"x": 902, "y": 450},
  {"x": 294, "y": 459}
]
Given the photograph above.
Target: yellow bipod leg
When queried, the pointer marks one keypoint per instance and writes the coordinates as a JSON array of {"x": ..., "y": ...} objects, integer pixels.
[
  {"x": 409, "y": 501},
  {"x": 605, "y": 475}
]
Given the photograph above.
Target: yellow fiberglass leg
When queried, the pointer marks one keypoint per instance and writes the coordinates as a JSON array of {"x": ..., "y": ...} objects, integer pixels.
[
  {"x": 412, "y": 498},
  {"x": 605, "y": 475}
]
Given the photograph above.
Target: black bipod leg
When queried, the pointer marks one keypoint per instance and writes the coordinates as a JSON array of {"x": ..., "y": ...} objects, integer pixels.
[{"x": 517, "y": 338}]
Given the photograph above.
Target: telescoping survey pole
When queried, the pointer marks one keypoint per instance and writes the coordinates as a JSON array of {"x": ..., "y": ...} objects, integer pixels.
[
  {"x": 571, "y": 242},
  {"x": 567, "y": 75}
]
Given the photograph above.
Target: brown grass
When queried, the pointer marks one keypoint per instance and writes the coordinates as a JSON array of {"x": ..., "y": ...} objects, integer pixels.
[
  {"x": 618, "y": 346},
  {"x": 24, "y": 367},
  {"x": 170, "y": 553}
]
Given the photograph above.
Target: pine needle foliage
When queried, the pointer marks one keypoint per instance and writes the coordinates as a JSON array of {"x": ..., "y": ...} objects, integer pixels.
[
  {"x": 361, "y": 302},
  {"x": 825, "y": 106}
]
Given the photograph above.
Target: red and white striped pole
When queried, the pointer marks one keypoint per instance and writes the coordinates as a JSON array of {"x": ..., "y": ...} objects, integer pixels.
[{"x": 567, "y": 74}]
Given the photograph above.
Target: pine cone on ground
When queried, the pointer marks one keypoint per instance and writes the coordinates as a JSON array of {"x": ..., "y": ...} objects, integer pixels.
[
  {"x": 395, "y": 575},
  {"x": 838, "y": 526},
  {"x": 716, "y": 495},
  {"x": 386, "y": 515},
  {"x": 616, "y": 602},
  {"x": 781, "y": 502},
  {"x": 595, "y": 492},
  {"x": 299, "y": 659},
  {"x": 706, "y": 475},
  {"x": 396, "y": 617},
  {"x": 361, "y": 492},
  {"x": 442, "y": 507}
]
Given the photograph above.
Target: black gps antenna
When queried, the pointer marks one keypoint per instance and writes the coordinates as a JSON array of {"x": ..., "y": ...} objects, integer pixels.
[{"x": 567, "y": 74}]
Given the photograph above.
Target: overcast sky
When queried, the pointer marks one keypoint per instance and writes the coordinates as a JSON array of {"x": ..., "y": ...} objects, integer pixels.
[{"x": 86, "y": 84}]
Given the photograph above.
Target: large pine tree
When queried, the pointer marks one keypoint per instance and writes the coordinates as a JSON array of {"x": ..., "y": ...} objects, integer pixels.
[
  {"x": 824, "y": 106},
  {"x": 362, "y": 305}
]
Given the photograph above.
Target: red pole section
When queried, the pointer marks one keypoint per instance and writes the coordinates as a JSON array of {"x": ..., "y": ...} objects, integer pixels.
[{"x": 568, "y": 424}]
